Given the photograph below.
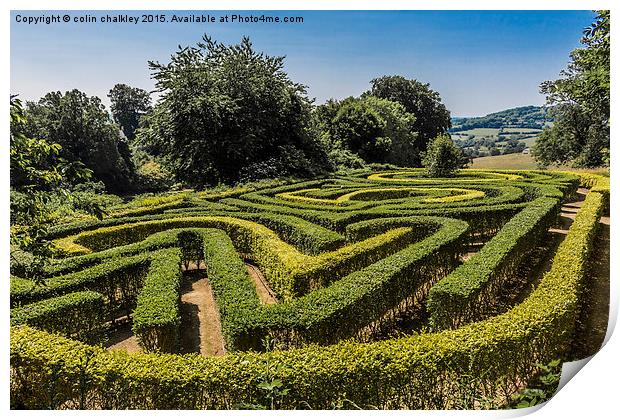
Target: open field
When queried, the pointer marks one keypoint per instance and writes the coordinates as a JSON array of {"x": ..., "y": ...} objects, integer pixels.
[
  {"x": 511, "y": 161},
  {"x": 509, "y": 130},
  {"x": 323, "y": 289},
  {"x": 519, "y": 161},
  {"x": 480, "y": 132}
]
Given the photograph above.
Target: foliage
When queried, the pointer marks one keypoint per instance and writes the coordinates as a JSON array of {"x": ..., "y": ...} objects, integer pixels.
[
  {"x": 443, "y": 158},
  {"x": 82, "y": 128},
  {"x": 432, "y": 117},
  {"x": 542, "y": 389},
  {"x": 39, "y": 175},
  {"x": 469, "y": 292},
  {"x": 228, "y": 111},
  {"x": 128, "y": 105},
  {"x": 522, "y": 117},
  {"x": 420, "y": 371},
  {"x": 78, "y": 315},
  {"x": 377, "y": 130},
  {"x": 157, "y": 318},
  {"x": 580, "y": 135},
  {"x": 462, "y": 368}
]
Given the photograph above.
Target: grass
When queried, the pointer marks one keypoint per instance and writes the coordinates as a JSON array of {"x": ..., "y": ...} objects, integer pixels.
[
  {"x": 508, "y": 130},
  {"x": 521, "y": 161},
  {"x": 480, "y": 132},
  {"x": 529, "y": 142},
  {"x": 511, "y": 161}
]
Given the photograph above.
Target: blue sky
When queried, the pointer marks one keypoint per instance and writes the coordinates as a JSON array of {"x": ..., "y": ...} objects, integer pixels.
[{"x": 479, "y": 61}]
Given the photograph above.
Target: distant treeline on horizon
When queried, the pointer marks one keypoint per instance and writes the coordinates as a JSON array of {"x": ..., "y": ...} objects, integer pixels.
[{"x": 524, "y": 117}]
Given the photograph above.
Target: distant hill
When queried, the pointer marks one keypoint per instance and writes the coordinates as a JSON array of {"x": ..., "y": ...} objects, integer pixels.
[{"x": 522, "y": 117}]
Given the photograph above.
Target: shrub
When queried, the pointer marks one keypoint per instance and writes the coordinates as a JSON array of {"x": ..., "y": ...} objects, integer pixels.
[
  {"x": 395, "y": 252},
  {"x": 442, "y": 157},
  {"x": 156, "y": 319}
]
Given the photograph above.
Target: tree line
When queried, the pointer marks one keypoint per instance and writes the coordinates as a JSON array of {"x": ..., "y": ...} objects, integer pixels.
[
  {"x": 523, "y": 117},
  {"x": 227, "y": 113}
]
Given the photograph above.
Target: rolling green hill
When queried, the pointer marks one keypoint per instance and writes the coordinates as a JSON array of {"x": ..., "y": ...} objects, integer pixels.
[{"x": 522, "y": 117}]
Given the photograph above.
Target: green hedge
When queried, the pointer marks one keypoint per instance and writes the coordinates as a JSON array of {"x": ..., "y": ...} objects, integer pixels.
[
  {"x": 470, "y": 291},
  {"x": 119, "y": 280},
  {"x": 78, "y": 315},
  {"x": 156, "y": 319},
  {"x": 290, "y": 272},
  {"x": 342, "y": 309},
  {"x": 421, "y": 371}
]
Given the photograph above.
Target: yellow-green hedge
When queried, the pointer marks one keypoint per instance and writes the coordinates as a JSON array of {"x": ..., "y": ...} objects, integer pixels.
[
  {"x": 289, "y": 271},
  {"x": 438, "y": 370}
]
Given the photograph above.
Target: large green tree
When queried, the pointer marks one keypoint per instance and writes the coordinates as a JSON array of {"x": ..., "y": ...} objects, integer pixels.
[
  {"x": 377, "y": 130},
  {"x": 128, "y": 105},
  {"x": 226, "y": 113},
  {"x": 82, "y": 127},
  {"x": 581, "y": 98},
  {"x": 432, "y": 117}
]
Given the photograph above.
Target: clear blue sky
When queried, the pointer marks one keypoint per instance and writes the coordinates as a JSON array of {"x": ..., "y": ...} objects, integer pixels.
[{"x": 479, "y": 61}]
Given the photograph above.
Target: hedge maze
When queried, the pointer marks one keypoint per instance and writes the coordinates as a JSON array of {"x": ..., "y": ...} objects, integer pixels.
[{"x": 347, "y": 257}]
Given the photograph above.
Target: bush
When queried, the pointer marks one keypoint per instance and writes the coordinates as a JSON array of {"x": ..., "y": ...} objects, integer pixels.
[
  {"x": 442, "y": 157},
  {"x": 156, "y": 319}
]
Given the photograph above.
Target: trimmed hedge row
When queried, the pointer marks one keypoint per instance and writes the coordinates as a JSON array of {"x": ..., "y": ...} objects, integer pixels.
[
  {"x": 233, "y": 289},
  {"x": 156, "y": 241},
  {"x": 463, "y": 176},
  {"x": 156, "y": 319},
  {"x": 290, "y": 272},
  {"x": 467, "y": 294},
  {"x": 341, "y": 309},
  {"x": 364, "y": 196},
  {"x": 421, "y": 371},
  {"x": 119, "y": 280},
  {"x": 78, "y": 315}
]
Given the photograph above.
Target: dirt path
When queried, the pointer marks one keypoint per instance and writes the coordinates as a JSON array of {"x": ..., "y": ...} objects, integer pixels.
[
  {"x": 201, "y": 330},
  {"x": 122, "y": 338},
  {"x": 265, "y": 294}
]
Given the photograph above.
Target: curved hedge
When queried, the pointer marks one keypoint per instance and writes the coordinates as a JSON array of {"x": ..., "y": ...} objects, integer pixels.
[{"x": 387, "y": 252}]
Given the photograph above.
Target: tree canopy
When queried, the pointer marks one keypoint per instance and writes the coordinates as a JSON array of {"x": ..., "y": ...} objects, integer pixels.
[
  {"x": 443, "y": 157},
  {"x": 523, "y": 117},
  {"x": 128, "y": 105},
  {"x": 432, "y": 117},
  {"x": 38, "y": 175},
  {"x": 228, "y": 113},
  {"x": 580, "y": 134},
  {"x": 82, "y": 127},
  {"x": 377, "y": 130}
]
